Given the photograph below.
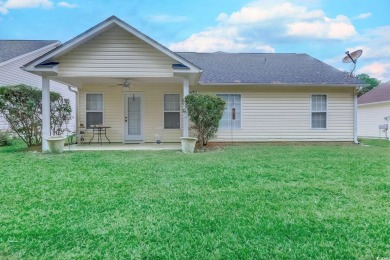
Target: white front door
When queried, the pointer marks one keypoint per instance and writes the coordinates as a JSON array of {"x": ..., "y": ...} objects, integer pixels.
[{"x": 134, "y": 121}]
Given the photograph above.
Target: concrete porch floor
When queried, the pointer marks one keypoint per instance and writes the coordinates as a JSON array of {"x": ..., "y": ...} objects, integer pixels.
[{"x": 123, "y": 147}]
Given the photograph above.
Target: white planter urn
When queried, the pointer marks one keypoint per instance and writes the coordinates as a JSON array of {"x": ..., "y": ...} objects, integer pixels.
[
  {"x": 56, "y": 143},
  {"x": 188, "y": 144}
]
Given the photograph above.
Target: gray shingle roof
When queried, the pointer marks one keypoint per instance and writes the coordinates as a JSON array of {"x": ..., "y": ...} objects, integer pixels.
[
  {"x": 10, "y": 49},
  {"x": 265, "y": 68},
  {"x": 378, "y": 94}
]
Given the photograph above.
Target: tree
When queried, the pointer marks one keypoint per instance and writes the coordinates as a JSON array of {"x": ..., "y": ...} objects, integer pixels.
[
  {"x": 205, "y": 112},
  {"x": 21, "y": 106},
  {"x": 373, "y": 83}
]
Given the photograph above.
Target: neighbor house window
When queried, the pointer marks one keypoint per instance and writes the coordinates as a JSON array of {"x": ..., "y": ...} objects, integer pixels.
[
  {"x": 94, "y": 109},
  {"x": 318, "y": 111},
  {"x": 232, "y": 115},
  {"x": 172, "y": 111}
]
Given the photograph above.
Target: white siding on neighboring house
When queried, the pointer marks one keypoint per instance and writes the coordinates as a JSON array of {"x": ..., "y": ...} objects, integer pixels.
[
  {"x": 11, "y": 74},
  {"x": 268, "y": 113},
  {"x": 116, "y": 53},
  {"x": 370, "y": 116}
]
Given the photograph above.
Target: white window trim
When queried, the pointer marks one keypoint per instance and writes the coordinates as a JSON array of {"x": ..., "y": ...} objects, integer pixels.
[
  {"x": 233, "y": 93},
  {"x": 180, "y": 112},
  {"x": 86, "y": 111},
  {"x": 311, "y": 111}
]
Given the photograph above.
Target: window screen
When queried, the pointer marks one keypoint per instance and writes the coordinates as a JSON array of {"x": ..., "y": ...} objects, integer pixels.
[
  {"x": 171, "y": 111},
  {"x": 94, "y": 109},
  {"x": 318, "y": 111}
]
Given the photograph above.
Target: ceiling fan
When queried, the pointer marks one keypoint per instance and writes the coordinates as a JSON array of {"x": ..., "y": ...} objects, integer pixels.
[{"x": 126, "y": 84}]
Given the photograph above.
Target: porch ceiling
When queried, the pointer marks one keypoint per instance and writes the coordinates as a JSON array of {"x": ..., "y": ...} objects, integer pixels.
[{"x": 81, "y": 81}]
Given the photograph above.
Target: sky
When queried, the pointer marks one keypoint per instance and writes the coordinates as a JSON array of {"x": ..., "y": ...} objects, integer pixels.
[{"x": 324, "y": 29}]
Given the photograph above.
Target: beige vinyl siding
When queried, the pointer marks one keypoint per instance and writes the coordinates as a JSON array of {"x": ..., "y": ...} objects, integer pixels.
[
  {"x": 370, "y": 116},
  {"x": 283, "y": 114},
  {"x": 268, "y": 113},
  {"x": 12, "y": 74},
  {"x": 114, "y": 110},
  {"x": 116, "y": 53}
]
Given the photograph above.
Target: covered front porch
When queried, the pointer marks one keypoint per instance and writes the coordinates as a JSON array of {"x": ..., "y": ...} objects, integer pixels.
[{"x": 125, "y": 81}]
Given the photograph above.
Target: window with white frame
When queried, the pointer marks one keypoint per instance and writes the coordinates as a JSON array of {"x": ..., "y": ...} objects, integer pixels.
[
  {"x": 232, "y": 114},
  {"x": 94, "y": 109},
  {"x": 171, "y": 111},
  {"x": 319, "y": 106}
]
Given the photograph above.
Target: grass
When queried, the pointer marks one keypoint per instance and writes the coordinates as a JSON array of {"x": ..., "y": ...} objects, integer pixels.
[{"x": 248, "y": 202}]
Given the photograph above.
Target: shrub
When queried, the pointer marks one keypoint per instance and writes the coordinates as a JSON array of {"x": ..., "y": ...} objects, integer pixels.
[
  {"x": 21, "y": 106},
  {"x": 5, "y": 138},
  {"x": 205, "y": 112}
]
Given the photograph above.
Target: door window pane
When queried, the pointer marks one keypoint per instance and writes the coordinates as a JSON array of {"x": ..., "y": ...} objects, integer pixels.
[{"x": 231, "y": 118}]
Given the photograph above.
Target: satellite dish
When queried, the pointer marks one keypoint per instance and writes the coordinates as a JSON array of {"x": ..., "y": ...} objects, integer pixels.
[{"x": 352, "y": 58}]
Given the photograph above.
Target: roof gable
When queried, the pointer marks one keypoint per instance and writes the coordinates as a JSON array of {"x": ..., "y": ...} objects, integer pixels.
[
  {"x": 376, "y": 95},
  {"x": 11, "y": 49},
  {"x": 97, "y": 30}
]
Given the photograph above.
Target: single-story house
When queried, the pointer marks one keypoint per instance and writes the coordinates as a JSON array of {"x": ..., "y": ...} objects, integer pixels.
[
  {"x": 16, "y": 53},
  {"x": 373, "y": 109},
  {"x": 269, "y": 97}
]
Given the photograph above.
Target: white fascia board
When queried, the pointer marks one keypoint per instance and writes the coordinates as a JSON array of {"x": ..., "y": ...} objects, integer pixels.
[
  {"x": 55, "y": 44},
  {"x": 68, "y": 46},
  {"x": 78, "y": 40}
]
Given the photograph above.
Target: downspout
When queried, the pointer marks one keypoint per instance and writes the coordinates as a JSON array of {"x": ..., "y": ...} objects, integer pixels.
[
  {"x": 355, "y": 139},
  {"x": 77, "y": 106}
]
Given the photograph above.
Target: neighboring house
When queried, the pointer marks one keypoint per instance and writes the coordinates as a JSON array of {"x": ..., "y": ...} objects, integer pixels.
[
  {"x": 13, "y": 55},
  {"x": 373, "y": 107},
  {"x": 274, "y": 97}
]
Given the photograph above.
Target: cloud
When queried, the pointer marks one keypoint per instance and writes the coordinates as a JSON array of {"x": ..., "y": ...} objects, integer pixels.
[
  {"x": 219, "y": 39},
  {"x": 163, "y": 18},
  {"x": 14, "y": 4},
  {"x": 3, "y": 10},
  {"x": 376, "y": 53},
  {"x": 260, "y": 23},
  {"x": 362, "y": 16},
  {"x": 339, "y": 28},
  {"x": 377, "y": 70},
  {"x": 67, "y": 5}
]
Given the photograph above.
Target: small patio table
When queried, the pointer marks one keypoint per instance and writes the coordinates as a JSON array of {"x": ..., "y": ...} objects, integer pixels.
[{"x": 99, "y": 130}]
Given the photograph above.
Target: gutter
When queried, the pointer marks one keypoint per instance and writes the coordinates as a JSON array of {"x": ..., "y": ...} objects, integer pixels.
[
  {"x": 355, "y": 118},
  {"x": 282, "y": 84}
]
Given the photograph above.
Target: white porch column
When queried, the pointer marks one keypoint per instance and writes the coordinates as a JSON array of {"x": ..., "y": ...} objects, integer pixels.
[
  {"x": 186, "y": 91},
  {"x": 45, "y": 112}
]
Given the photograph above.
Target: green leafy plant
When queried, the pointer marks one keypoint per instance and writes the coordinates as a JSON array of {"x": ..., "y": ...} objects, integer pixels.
[
  {"x": 5, "y": 138},
  {"x": 205, "y": 112},
  {"x": 21, "y": 106},
  {"x": 373, "y": 83}
]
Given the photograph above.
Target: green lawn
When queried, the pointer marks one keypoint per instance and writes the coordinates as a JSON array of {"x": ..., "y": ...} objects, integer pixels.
[{"x": 245, "y": 202}]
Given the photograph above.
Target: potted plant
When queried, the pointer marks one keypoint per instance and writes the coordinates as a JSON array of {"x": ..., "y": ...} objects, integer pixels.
[
  {"x": 60, "y": 114},
  {"x": 205, "y": 112},
  {"x": 56, "y": 143},
  {"x": 188, "y": 144}
]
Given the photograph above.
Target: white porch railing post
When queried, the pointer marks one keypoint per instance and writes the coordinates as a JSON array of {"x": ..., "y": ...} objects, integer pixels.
[
  {"x": 186, "y": 91},
  {"x": 45, "y": 112}
]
